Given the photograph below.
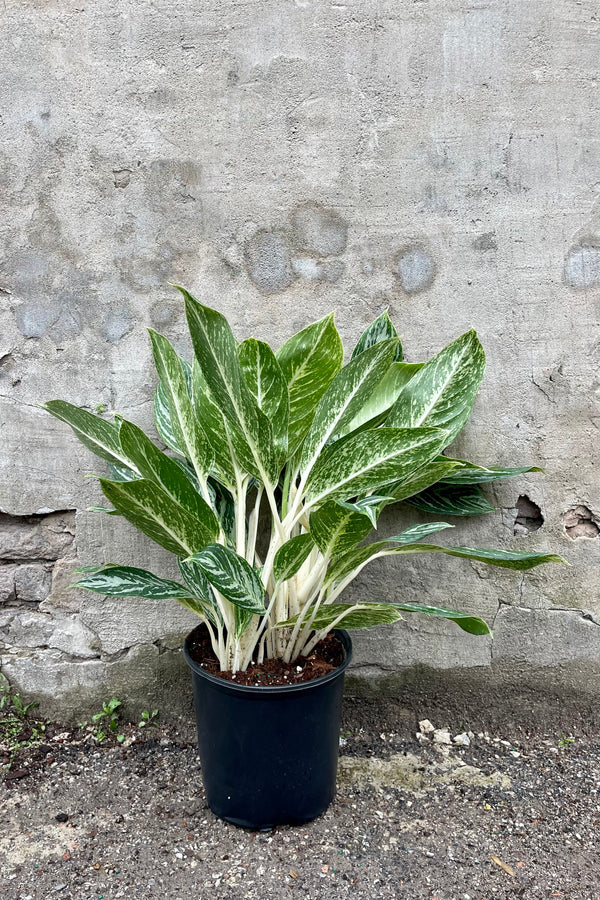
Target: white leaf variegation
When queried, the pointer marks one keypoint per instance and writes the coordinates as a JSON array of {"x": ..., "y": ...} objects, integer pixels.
[{"x": 315, "y": 448}]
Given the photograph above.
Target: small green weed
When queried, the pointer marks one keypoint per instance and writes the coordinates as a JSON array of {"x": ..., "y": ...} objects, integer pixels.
[
  {"x": 565, "y": 741},
  {"x": 106, "y": 721},
  {"x": 17, "y": 731},
  {"x": 148, "y": 718}
]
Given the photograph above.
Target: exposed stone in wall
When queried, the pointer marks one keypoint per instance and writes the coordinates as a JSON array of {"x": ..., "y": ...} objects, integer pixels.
[
  {"x": 580, "y": 522},
  {"x": 528, "y": 516}
]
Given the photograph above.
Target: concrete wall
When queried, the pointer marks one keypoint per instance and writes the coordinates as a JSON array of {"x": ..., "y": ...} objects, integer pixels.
[{"x": 437, "y": 157}]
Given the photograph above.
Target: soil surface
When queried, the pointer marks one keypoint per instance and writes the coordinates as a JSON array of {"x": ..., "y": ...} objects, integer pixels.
[
  {"x": 510, "y": 815},
  {"x": 327, "y": 655}
]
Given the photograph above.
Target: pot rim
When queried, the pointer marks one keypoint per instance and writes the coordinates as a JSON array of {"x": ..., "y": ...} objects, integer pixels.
[{"x": 281, "y": 689}]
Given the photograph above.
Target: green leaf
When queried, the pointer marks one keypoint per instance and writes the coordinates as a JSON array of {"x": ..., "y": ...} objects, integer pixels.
[
  {"x": 469, "y": 623},
  {"x": 122, "y": 473},
  {"x": 338, "y": 528},
  {"x": 417, "y": 532},
  {"x": 507, "y": 559},
  {"x": 216, "y": 351},
  {"x": 376, "y": 407},
  {"x": 155, "y": 466},
  {"x": 452, "y": 500},
  {"x": 343, "y": 398},
  {"x": 380, "y": 330},
  {"x": 186, "y": 430},
  {"x": 268, "y": 386},
  {"x": 358, "y": 615},
  {"x": 421, "y": 479},
  {"x": 441, "y": 394},
  {"x": 214, "y": 425},
  {"x": 371, "y": 460},
  {"x": 291, "y": 555},
  {"x": 98, "y": 435},
  {"x": 200, "y": 588},
  {"x": 471, "y": 474},
  {"x": 367, "y": 506},
  {"x": 309, "y": 361},
  {"x": 149, "y": 508},
  {"x": 127, "y": 581},
  {"x": 232, "y": 576}
]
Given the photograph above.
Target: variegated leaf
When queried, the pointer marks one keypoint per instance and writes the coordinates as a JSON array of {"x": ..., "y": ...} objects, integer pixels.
[
  {"x": 442, "y": 392},
  {"x": 376, "y": 407},
  {"x": 200, "y": 588},
  {"x": 216, "y": 351},
  {"x": 470, "y": 624},
  {"x": 338, "y": 528},
  {"x": 149, "y": 508},
  {"x": 159, "y": 468},
  {"x": 380, "y": 330},
  {"x": 470, "y": 474},
  {"x": 268, "y": 386},
  {"x": 291, "y": 555},
  {"x": 215, "y": 427},
  {"x": 421, "y": 479},
  {"x": 343, "y": 398},
  {"x": 309, "y": 361},
  {"x": 127, "y": 581},
  {"x": 452, "y": 500},
  {"x": 98, "y": 435},
  {"x": 185, "y": 427},
  {"x": 371, "y": 460},
  {"x": 357, "y": 615},
  {"x": 232, "y": 576}
]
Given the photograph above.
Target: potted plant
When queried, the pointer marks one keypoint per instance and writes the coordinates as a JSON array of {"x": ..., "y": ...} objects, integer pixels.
[{"x": 321, "y": 448}]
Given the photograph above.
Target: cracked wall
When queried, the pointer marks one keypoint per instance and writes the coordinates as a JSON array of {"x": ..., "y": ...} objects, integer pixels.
[{"x": 439, "y": 159}]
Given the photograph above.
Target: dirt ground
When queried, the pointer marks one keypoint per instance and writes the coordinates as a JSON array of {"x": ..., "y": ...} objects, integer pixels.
[{"x": 512, "y": 815}]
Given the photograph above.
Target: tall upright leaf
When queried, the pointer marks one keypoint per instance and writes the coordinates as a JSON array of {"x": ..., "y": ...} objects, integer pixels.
[
  {"x": 268, "y": 386},
  {"x": 215, "y": 427},
  {"x": 216, "y": 351},
  {"x": 375, "y": 408},
  {"x": 343, "y": 398},
  {"x": 441, "y": 394},
  {"x": 291, "y": 556},
  {"x": 309, "y": 361},
  {"x": 380, "y": 330},
  {"x": 183, "y": 422}
]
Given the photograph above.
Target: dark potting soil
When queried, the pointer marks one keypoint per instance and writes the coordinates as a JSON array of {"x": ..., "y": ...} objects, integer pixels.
[{"x": 326, "y": 656}]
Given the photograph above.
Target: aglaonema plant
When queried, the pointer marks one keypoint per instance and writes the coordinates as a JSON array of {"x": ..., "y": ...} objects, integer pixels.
[{"x": 321, "y": 446}]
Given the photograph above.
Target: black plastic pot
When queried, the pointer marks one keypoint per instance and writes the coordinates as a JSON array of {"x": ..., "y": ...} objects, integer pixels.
[{"x": 269, "y": 754}]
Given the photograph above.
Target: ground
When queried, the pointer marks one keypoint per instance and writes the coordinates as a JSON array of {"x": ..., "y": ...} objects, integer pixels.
[{"x": 513, "y": 815}]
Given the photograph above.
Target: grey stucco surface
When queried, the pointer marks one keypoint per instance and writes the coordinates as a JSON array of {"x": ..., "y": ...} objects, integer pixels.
[{"x": 438, "y": 158}]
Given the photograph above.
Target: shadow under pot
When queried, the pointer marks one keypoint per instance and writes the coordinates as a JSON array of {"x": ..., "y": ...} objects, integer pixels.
[{"x": 269, "y": 755}]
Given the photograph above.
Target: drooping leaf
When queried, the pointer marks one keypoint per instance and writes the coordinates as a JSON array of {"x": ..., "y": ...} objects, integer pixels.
[
  {"x": 417, "y": 532},
  {"x": 376, "y": 407},
  {"x": 468, "y": 623},
  {"x": 268, "y": 386},
  {"x": 380, "y": 330},
  {"x": 358, "y": 615},
  {"x": 470, "y": 474},
  {"x": 367, "y": 506},
  {"x": 232, "y": 576},
  {"x": 508, "y": 559},
  {"x": 338, "y": 528},
  {"x": 343, "y": 398},
  {"x": 441, "y": 394},
  {"x": 216, "y": 351},
  {"x": 418, "y": 481},
  {"x": 371, "y": 460},
  {"x": 155, "y": 466},
  {"x": 291, "y": 555},
  {"x": 309, "y": 361},
  {"x": 95, "y": 433},
  {"x": 146, "y": 505},
  {"x": 127, "y": 581},
  {"x": 188, "y": 434},
  {"x": 452, "y": 500}
]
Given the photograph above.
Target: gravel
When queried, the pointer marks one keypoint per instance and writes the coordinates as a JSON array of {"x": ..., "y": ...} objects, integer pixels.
[{"x": 507, "y": 816}]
